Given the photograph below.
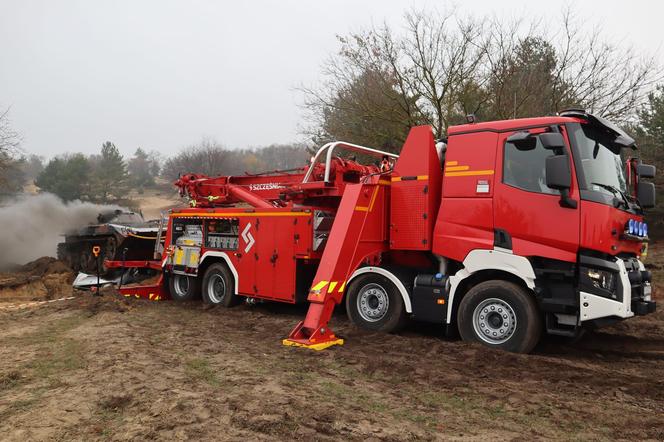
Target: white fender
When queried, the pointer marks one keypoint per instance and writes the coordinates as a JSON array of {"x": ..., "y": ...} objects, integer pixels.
[
  {"x": 478, "y": 260},
  {"x": 228, "y": 261},
  {"x": 389, "y": 275}
]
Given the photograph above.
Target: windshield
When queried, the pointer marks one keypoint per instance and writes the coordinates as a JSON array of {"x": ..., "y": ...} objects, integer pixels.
[{"x": 602, "y": 167}]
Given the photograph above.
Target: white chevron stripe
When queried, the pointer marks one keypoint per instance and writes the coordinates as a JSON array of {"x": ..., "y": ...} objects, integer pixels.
[{"x": 248, "y": 238}]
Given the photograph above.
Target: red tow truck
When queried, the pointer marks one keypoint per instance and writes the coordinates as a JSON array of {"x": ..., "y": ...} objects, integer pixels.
[{"x": 501, "y": 231}]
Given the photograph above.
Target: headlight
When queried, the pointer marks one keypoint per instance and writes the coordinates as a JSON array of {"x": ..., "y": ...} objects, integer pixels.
[
  {"x": 599, "y": 282},
  {"x": 602, "y": 279}
]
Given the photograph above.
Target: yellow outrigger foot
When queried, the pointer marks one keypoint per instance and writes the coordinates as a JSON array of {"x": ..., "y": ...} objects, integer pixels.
[{"x": 317, "y": 347}]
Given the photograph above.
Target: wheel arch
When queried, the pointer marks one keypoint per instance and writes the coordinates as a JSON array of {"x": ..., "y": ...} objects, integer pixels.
[
  {"x": 212, "y": 257},
  {"x": 486, "y": 265},
  {"x": 391, "y": 276}
]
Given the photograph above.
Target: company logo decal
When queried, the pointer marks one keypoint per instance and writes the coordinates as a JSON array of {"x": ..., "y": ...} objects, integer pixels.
[{"x": 248, "y": 238}]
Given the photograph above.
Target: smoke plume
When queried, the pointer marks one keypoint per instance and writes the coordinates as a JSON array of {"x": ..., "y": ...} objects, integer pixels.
[{"x": 31, "y": 226}]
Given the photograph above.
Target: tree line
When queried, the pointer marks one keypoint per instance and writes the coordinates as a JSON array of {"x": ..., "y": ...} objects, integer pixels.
[{"x": 108, "y": 176}]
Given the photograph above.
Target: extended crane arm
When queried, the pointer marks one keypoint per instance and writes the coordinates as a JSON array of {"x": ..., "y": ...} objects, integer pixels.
[{"x": 326, "y": 171}]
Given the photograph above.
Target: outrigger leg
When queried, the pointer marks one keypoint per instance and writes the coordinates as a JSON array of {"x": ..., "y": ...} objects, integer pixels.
[{"x": 345, "y": 246}]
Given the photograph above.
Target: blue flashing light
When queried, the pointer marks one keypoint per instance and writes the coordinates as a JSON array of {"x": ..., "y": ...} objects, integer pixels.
[
  {"x": 645, "y": 229},
  {"x": 438, "y": 276},
  {"x": 630, "y": 227},
  {"x": 640, "y": 228}
]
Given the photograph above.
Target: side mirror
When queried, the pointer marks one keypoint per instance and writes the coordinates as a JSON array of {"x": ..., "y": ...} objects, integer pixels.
[
  {"x": 559, "y": 177},
  {"x": 523, "y": 140},
  {"x": 558, "y": 173},
  {"x": 645, "y": 193},
  {"x": 646, "y": 171},
  {"x": 552, "y": 140}
]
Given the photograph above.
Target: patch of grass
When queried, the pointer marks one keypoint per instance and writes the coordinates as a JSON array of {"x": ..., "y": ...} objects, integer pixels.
[
  {"x": 345, "y": 393},
  {"x": 50, "y": 332},
  {"x": 22, "y": 405},
  {"x": 54, "y": 355},
  {"x": 199, "y": 369},
  {"x": 66, "y": 355},
  {"x": 107, "y": 419},
  {"x": 299, "y": 376},
  {"x": 10, "y": 380},
  {"x": 423, "y": 419}
]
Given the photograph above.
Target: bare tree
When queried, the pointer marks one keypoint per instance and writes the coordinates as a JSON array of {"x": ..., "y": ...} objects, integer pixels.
[
  {"x": 9, "y": 138},
  {"x": 602, "y": 77},
  {"x": 207, "y": 157},
  {"x": 381, "y": 84},
  {"x": 445, "y": 59},
  {"x": 9, "y": 147},
  {"x": 444, "y": 66}
]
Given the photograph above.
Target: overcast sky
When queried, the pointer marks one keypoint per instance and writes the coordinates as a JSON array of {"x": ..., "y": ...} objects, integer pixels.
[{"x": 163, "y": 74}]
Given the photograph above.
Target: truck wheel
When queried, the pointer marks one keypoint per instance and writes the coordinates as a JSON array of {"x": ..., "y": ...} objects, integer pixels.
[
  {"x": 500, "y": 314},
  {"x": 218, "y": 286},
  {"x": 183, "y": 288},
  {"x": 373, "y": 302}
]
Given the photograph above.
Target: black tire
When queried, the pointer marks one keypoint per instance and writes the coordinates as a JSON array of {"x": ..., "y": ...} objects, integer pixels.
[
  {"x": 500, "y": 314},
  {"x": 184, "y": 288},
  {"x": 374, "y": 303},
  {"x": 219, "y": 286}
]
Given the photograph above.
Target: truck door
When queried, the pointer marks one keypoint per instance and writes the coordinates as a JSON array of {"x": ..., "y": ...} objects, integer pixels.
[
  {"x": 269, "y": 247},
  {"x": 528, "y": 217}
]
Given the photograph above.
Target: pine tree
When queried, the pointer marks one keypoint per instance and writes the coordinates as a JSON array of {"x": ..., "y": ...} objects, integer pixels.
[
  {"x": 66, "y": 176},
  {"x": 110, "y": 179}
]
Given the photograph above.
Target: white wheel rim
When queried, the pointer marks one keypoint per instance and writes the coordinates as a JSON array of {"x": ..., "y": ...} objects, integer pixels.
[
  {"x": 216, "y": 289},
  {"x": 494, "y": 321},
  {"x": 373, "y": 302},
  {"x": 181, "y": 285}
]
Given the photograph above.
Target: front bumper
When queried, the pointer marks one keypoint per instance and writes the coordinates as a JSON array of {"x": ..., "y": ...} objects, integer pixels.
[{"x": 636, "y": 297}]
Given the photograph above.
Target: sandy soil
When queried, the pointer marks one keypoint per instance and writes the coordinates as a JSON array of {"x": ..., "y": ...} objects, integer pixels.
[
  {"x": 153, "y": 201},
  {"x": 110, "y": 368},
  {"x": 43, "y": 279}
]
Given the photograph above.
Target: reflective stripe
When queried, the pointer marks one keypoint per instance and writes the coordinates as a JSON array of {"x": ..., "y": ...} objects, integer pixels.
[
  {"x": 371, "y": 202},
  {"x": 418, "y": 178},
  {"x": 469, "y": 173},
  {"x": 331, "y": 287},
  {"x": 320, "y": 285},
  {"x": 373, "y": 199}
]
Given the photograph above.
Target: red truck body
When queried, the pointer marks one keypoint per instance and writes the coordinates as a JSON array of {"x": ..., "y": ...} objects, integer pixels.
[{"x": 467, "y": 233}]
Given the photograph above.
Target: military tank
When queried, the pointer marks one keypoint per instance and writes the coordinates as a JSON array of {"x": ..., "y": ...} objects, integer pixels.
[{"x": 120, "y": 235}]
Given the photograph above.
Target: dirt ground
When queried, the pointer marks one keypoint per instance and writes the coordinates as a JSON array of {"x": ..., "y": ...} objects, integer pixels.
[
  {"x": 110, "y": 368},
  {"x": 153, "y": 201}
]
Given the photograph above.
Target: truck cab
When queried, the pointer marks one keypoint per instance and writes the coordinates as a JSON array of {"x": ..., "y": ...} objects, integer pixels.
[{"x": 551, "y": 207}]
